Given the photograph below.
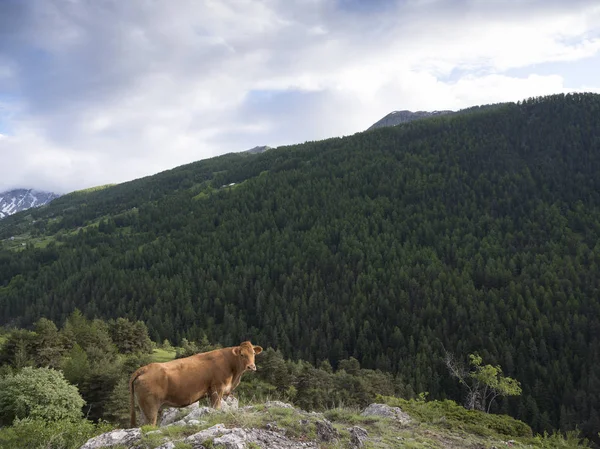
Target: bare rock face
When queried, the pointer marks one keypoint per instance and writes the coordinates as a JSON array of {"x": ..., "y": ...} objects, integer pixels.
[
  {"x": 121, "y": 437},
  {"x": 387, "y": 412}
]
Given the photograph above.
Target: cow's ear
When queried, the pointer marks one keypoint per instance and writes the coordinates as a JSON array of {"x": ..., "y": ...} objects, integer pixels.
[
  {"x": 257, "y": 350},
  {"x": 237, "y": 351}
]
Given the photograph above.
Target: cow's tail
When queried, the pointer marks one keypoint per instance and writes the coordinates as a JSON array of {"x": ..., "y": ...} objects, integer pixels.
[{"x": 134, "y": 376}]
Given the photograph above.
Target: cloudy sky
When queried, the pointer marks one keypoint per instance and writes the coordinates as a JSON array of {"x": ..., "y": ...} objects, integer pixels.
[{"x": 102, "y": 91}]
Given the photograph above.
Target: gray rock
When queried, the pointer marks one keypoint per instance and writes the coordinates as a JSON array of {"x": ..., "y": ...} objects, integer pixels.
[
  {"x": 193, "y": 412},
  {"x": 273, "y": 440},
  {"x": 196, "y": 413},
  {"x": 235, "y": 439},
  {"x": 167, "y": 445},
  {"x": 124, "y": 437},
  {"x": 278, "y": 404},
  {"x": 273, "y": 427},
  {"x": 387, "y": 412},
  {"x": 229, "y": 403},
  {"x": 207, "y": 434},
  {"x": 326, "y": 431},
  {"x": 239, "y": 438},
  {"x": 170, "y": 414},
  {"x": 358, "y": 436}
]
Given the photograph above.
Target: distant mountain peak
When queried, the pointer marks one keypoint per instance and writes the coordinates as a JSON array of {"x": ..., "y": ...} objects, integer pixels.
[
  {"x": 258, "y": 149},
  {"x": 404, "y": 116},
  {"x": 16, "y": 200}
]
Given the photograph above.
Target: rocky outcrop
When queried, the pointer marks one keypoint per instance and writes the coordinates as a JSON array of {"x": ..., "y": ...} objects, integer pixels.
[
  {"x": 399, "y": 117},
  {"x": 386, "y": 411},
  {"x": 119, "y": 437},
  {"x": 238, "y": 438},
  {"x": 192, "y": 414},
  {"x": 297, "y": 429},
  {"x": 326, "y": 431},
  {"x": 358, "y": 437}
]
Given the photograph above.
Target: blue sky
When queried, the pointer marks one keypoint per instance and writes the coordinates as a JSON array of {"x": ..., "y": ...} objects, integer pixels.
[{"x": 108, "y": 91}]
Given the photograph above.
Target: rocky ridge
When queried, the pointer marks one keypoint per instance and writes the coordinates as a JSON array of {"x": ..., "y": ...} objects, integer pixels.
[
  {"x": 271, "y": 425},
  {"x": 275, "y": 425},
  {"x": 398, "y": 117}
]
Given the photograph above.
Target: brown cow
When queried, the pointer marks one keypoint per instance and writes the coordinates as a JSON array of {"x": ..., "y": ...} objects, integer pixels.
[{"x": 182, "y": 382}]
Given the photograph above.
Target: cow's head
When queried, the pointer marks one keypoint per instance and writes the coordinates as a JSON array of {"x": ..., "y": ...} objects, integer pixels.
[{"x": 246, "y": 352}]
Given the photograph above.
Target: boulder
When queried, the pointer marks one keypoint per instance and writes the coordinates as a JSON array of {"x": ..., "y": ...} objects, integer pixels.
[
  {"x": 229, "y": 403},
  {"x": 207, "y": 434},
  {"x": 181, "y": 416},
  {"x": 171, "y": 414},
  {"x": 358, "y": 436},
  {"x": 278, "y": 404},
  {"x": 265, "y": 439},
  {"x": 121, "y": 437},
  {"x": 237, "y": 438},
  {"x": 167, "y": 445},
  {"x": 387, "y": 412},
  {"x": 326, "y": 431}
]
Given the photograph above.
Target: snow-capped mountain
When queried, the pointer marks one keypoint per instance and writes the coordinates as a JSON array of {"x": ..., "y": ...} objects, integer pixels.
[{"x": 16, "y": 200}]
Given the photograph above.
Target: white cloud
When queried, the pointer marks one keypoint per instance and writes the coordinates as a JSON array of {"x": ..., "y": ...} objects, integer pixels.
[{"x": 109, "y": 91}]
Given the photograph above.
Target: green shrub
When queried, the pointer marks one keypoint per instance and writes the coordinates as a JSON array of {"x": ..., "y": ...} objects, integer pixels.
[
  {"x": 39, "y": 434},
  {"x": 38, "y": 393},
  {"x": 453, "y": 416}
]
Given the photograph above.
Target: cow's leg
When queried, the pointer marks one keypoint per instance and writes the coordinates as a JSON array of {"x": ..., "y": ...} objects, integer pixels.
[
  {"x": 149, "y": 407},
  {"x": 216, "y": 394}
]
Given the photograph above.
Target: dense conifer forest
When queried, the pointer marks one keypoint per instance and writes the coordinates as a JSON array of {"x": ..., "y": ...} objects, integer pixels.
[{"x": 477, "y": 232}]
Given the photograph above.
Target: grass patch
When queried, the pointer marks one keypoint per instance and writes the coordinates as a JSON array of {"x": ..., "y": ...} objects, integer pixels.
[
  {"x": 152, "y": 439},
  {"x": 202, "y": 195},
  {"x": 448, "y": 420},
  {"x": 89, "y": 190},
  {"x": 449, "y": 414},
  {"x": 20, "y": 242},
  {"x": 162, "y": 355}
]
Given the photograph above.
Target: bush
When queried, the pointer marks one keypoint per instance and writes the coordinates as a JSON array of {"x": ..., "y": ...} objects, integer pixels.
[
  {"x": 40, "y": 434},
  {"x": 38, "y": 393},
  {"x": 454, "y": 416}
]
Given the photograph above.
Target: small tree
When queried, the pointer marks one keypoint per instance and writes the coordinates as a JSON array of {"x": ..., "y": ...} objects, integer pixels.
[
  {"x": 38, "y": 393},
  {"x": 484, "y": 383}
]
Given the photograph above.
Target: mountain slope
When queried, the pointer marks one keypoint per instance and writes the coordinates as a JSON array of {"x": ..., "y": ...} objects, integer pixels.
[
  {"x": 477, "y": 231},
  {"x": 13, "y": 201}
]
